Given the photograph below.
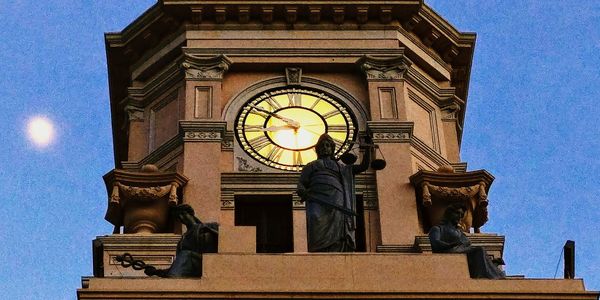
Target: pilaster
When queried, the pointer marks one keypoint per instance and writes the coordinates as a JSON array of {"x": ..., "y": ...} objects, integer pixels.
[
  {"x": 202, "y": 142},
  {"x": 397, "y": 204},
  {"x": 385, "y": 79},
  {"x": 203, "y": 83},
  {"x": 137, "y": 133}
]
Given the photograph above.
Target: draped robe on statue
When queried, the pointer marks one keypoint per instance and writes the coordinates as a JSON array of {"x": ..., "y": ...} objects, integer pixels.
[{"x": 327, "y": 186}]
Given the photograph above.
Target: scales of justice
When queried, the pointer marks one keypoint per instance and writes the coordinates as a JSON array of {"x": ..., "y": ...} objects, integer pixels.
[{"x": 249, "y": 143}]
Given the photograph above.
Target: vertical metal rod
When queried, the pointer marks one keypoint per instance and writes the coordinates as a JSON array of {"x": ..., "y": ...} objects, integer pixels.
[{"x": 569, "y": 251}]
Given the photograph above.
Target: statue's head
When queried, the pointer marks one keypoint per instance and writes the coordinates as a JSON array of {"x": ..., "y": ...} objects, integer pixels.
[
  {"x": 185, "y": 214},
  {"x": 325, "y": 147},
  {"x": 454, "y": 213}
]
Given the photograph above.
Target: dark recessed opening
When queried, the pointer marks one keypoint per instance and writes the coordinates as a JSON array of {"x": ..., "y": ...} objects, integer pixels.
[{"x": 272, "y": 216}]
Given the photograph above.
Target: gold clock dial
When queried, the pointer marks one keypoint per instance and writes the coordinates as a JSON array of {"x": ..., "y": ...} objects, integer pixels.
[{"x": 280, "y": 128}]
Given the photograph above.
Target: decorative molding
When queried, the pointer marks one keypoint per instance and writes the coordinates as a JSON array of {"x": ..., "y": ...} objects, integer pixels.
[
  {"x": 203, "y": 102},
  {"x": 388, "y": 107},
  {"x": 390, "y": 131},
  {"x": 203, "y": 131},
  {"x": 293, "y": 76},
  {"x": 155, "y": 87},
  {"x": 134, "y": 114},
  {"x": 384, "y": 69},
  {"x": 428, "y": 87},
  {"x": 429, "y": 152},
  {"x": 459, "y": 167},
  {"x": 294, "y": 52},
  {"x": 247, "y": 183},
  {"x": 227, "y": 142},
  {"x": 432, "y": 118},
  {"x": 395, "y": 249},
  {"x": 202, "y": 68}
]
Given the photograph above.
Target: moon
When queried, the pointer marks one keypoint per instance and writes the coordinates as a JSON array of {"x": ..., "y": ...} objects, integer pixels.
[{"x": 40, "y": 131}]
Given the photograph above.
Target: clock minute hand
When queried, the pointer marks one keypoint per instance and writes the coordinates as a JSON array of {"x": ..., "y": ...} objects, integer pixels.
[
  {"x": 277, "y": 128},
  {"x": 289, "y": 121}
]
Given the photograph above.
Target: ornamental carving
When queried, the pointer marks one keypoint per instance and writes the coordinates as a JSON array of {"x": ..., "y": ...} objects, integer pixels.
[
  {"x": 139, "y": 200},
  {"x": 244, "y": 166},
  {"x": 437, "y": 190},
  {"x": 202, "y": 68},
  {"x": 203, "y": 135},
  {"x": 390, "y": 131},
  {"x": 293, "y": 76},
  {"x": 392, "y": 68}
]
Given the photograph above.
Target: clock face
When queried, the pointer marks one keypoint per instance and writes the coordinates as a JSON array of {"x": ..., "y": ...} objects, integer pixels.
[{"x": 280, "y": 128}]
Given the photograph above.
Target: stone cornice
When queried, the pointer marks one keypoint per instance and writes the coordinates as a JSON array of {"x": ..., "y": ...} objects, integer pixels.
[
  {"x": 143, "y": 95},
  {"x": 293, "y": 11},
  {"x": 384, "y": 69},
  {"x": 233, "y": 53},
  {"x": 429, "y": 152},
  {"x": 203, "y": 131},
  {"x": 160, "y": 156},
  {"x": 205, "y": 68},
  {"x": 390, "y": 132}
]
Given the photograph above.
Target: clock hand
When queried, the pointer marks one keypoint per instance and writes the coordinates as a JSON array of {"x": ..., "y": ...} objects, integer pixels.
[
  {"x": 311, "y": 131},
  {"x": 289, "y": 121},
  {"x": 277, "y": 128}
]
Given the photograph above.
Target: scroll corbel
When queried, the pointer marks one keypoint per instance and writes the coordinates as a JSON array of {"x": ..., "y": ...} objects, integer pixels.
[{"x": 426, "y": 195}]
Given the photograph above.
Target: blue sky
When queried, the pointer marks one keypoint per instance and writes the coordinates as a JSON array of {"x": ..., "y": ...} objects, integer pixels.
[{"x": 531, "y": 122}]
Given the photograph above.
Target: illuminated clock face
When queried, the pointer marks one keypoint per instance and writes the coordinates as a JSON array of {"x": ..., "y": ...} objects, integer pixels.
[{"x": 280, "y": 128}]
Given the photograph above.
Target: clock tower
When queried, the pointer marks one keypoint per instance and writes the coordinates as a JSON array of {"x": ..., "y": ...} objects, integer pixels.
[{"x": 219, "y": 104}]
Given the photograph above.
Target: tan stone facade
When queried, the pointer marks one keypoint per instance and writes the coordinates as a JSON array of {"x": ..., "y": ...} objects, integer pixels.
[{"x": 179, "y": 77}]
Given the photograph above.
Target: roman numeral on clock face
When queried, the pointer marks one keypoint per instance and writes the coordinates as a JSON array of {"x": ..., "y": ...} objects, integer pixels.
[
  {"x": 295, "y": 99},
  {"x": 337, "y": 128},
  {"x": 253, "y": 128},
  {"x": 273, "y": 103},
  {"x": 259, "y": 142},
  {"x": 297, "y": 158},
  {"x": 331, "y": 114},
  {"x": 275, "y": 153}
]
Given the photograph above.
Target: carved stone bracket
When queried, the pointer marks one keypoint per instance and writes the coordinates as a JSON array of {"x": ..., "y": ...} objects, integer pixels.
[
  {"x": 451, "y": 107},
  {"x": 203, "y": 131},
  {"x": 134, "y": 114},
  {"x": 384, "y": 69},
  {"x": 437, "y": 190},
  {"x": 202, "y": 68},
  {"x": 139, "y": 200},
  {"x": 390, "y": 132}
]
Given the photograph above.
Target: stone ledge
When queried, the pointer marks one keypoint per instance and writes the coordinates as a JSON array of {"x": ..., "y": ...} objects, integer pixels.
[{"x": 322, "y": 275}]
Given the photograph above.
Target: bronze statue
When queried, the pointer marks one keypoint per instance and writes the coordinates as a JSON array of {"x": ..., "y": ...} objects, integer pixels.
[
  {"x": 447, "y": 237},
  {"x": 327, "y": 186},
  {"x": 199, "y": 238}
]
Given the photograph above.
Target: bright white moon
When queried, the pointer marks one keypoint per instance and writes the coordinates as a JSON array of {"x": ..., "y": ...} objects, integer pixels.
[{"x": 40, "y": 131}]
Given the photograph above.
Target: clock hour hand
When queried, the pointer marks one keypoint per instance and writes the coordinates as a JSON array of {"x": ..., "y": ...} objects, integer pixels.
[{"x": 290, "y": 122}]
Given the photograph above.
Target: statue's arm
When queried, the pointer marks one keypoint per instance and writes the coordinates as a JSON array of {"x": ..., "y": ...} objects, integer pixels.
[
  {"x": 437, "y": 244},
  {"x": 304, "y": 182}
]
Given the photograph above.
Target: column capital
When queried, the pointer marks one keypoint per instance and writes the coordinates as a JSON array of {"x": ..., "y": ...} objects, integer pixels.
[
  {"x": 205, "y": 68},
  {"x": 384, "y": 68}
]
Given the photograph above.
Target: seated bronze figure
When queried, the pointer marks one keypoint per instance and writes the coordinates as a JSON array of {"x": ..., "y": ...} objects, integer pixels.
[{"x": 447, "y": 237}]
